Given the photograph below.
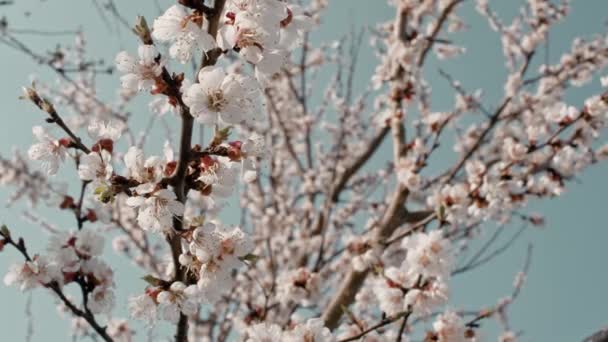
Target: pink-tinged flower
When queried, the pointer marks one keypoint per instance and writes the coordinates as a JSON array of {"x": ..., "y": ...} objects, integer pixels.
[
  {"x": 294, "y": 26},
  {"x": 514, "y": 150},
  {"x": 49, "y": 151},
  {"x": 119, "y": 330},
  {"x": 389, "y": 289},
  {"x": 299, "y": 286},
  {"x": 424, "y": 301},
  {"x": 142, "y": 170},
  {"x": 96, "y": 167},
  {"x": 221, "y": 175},
  {"x": 407, "y": 174},
  {"x": 156, "y": 211},
  {"x": 264, "y": 332},
  {"x": 99, "y": 129},
  {"x": 218, "y": 250},
  {"x": 102, "y": 272},
  {"x": 139, "y": 74},
  {"x": 507, "y": 336},
  {"x": 161, "y": 105},
  {"x": 428, "y": 254},
  {"x": 184, "y": 31},
  {"x": 231, "y": 98},
  {"x": 143, "y": 307},
  {"x": 561, "y": 113},
  {"x": 252, "y": 149},
  {"x": 253, "y": 28},
  {"x": 596, "y": 106},
  {"x": 313, "y": 330},
  {"x": 88, "y": 242},
  {"x": 101, "y": 300},
  {"x": 449, "y": 327},
  {"x": 178, "y": 299},
  {"x": 31, "y": 274}
]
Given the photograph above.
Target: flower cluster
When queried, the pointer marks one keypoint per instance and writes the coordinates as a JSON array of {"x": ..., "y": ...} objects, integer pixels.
[
  {"x": 263, "y": 32},
  {"x": 212, "y": 255},
  {"x": 312, "y": 330},
  {"x": 419, "y": 284},
  {"x": 72, "y": 257}
]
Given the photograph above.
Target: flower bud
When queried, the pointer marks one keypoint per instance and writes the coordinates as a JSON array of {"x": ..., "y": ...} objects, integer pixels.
[
  {"x": 30, "y": 94},
  {"x": 142, "y": 30}
]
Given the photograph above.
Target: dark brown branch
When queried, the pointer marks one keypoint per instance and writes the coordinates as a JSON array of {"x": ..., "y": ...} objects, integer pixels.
[
  {"x": 79, "y": 218},
  {"x": 54, "y": 117},
  {"x": 389, "y": 320},
  {"x": 442, "y": 19},
  {"x": 494, "y": 119},
  {"x": 345, "y": 176},
  {"x": 179, "y": 184},
  {"x": 478, "y": 262},
  {"x": 392, "y": 219}
]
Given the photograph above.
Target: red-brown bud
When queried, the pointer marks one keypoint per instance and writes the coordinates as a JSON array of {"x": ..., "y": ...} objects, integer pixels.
[
  {"x": 170, "y": 168},
  {"x": 287, "y": 20},
  {"x": 67, "y": 203},
  {"x": 103, "y": 144},
  {"x": 234, "y": 151},
  {"x": 66, "y": 142},
  {"x": 207, "y": 162},
  {"x": 231, "y": 18},
  {"x": 91, "y": 215}
]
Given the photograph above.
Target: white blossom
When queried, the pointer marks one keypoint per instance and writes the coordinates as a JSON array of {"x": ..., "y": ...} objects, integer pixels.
[
  {"x": 219, "y": 250},
  {"x": 231, "y": 98},
  {"x": 105, "y": 129},
  {"x": 178, "y": 299},
  {"x": 88, "y": 242},
  {"x": 428, "y": 254},
  {"x": 298, "y": 286},
  {"x": 49, "y": 151},
  {"x": 96, "y": 167},
  {"x": 263, "y": 332},
  {"x": 31, "y": 274},
  {"x": 139, "y": 74},
  {"x": 101, "y": 299},
  {"x": 183, "y": 31},
  {"x": 313, "y": 330},
  {"x": 294, "y": 26},
  {"x": 119, "y": 330},
  {"x": 156, "y": 209},
  {"x": 449, "y": 327},
  {"x": 143, "y": 307}
]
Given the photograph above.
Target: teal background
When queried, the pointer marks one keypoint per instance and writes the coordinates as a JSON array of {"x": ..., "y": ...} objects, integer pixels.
[{"x": 565, "y": 295}]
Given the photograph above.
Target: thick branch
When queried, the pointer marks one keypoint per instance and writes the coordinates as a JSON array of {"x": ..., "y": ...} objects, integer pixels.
[
  {"x": 210, "y": 58},
  {"x": 345, "y": 176},
  {"x": 392, "y": 219}
]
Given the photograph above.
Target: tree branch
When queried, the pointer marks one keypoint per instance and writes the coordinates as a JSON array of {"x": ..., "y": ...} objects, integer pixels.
[
  {"x": 86, "y": 314},
  {"x": 389, "y": 320},
  {"x": 209, "y": 58}
]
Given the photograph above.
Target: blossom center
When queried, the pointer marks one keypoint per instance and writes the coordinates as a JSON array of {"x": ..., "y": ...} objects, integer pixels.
[
  {"x": 148, "y": 71},
  {"x": 216, "y": 100},
  {"x": 248, "y": 37}
]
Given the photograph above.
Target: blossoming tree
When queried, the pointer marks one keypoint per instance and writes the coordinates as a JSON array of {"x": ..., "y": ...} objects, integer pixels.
[{"x": 330, "y": 247}]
